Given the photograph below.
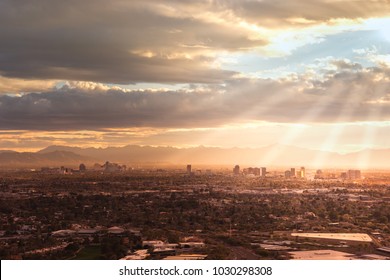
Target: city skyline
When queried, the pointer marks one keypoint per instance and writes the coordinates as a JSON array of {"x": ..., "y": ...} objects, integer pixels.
[{"x": 312, "y": 74}]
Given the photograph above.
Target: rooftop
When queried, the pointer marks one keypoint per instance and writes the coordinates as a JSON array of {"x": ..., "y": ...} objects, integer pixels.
[
  {"x": 360, "y": 237},
  {"x": 186, "y": 257},
  {"x": 321, "y": 255}
]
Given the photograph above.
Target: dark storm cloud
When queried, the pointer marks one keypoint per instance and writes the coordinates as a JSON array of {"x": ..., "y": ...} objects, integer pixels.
[
  {"x": 116, "y": 41},
  {"x": 146, "y": 41},
  {"x": 349, "y": 95}
]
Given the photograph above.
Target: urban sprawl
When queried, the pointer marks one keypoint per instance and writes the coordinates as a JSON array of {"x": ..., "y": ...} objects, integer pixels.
[{"x": 110, "y": 211}]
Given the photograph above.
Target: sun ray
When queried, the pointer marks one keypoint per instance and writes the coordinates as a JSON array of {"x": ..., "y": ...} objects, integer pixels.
[{"x": 346, "y": 112}]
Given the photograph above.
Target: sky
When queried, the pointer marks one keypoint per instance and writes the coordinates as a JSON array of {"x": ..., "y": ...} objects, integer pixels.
[{"x": 248, "y": 73}]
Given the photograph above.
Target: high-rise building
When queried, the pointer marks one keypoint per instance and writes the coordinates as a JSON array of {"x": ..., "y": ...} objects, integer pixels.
[
  {"x": 82, "y": 167},
  {"x": 303, "y": 172},
  {"x": 189, "y": 168},
  {"x": 319, "y": 174},
  {"x": 263, "y": 171},
  {"x": 287, "y": 174},
  {"x": 113, "y": 167},
  {"x": 236, "y": 170},
  {"x": 292, "y": 172},
  {"x": 251, "y": 171}
]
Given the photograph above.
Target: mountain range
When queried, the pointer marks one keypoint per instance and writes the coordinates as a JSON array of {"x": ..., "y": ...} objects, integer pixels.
[
  {"x": 12, "y": 159},
  {"x": 273, "y": 155}
]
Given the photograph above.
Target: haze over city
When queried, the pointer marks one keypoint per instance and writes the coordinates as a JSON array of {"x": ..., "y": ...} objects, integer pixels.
[
  {"x": 248, "y": 74},
  {"x": 195, "y": 130}
]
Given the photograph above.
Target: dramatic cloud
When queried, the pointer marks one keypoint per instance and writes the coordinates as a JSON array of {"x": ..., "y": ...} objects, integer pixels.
[
  {"x": 8, "y": 86},
  {"x": 347, "y": 93},
  {"x": 182, "y": 72},
  {"x": 151, "y": 41},
  {"x": 119, "y": 42},
  {"x": 278, "y": 13}
]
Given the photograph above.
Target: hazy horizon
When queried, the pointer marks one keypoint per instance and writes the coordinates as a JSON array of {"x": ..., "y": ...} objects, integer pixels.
[
  {"x": 310, "y": 74},
  {"x": 270, "y": 156},
  {"x": 81, "y": 146}
]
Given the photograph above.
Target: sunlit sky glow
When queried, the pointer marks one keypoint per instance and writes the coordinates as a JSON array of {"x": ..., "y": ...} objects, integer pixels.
[{"x": 311, "y": 73}]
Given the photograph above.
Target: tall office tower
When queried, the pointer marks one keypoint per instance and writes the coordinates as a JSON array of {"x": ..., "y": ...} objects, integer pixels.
[
  {"x": 236, "y": 170},
  {"x": 189, "y": 168},
  {"x": 319, "y": 174},
  {"x": 303, "y": 172},
  {"x": 263, "y": 171},
  {"x": 82, "y": 167},
  {"x": 292, "y": 172},
  {"x": 287, "y": 174}
]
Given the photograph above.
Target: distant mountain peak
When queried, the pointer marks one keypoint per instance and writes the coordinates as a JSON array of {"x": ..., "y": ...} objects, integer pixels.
[
  {"x": 273, "y": 155},
  {"x": 40, "y": 159},
  {"x": 7, "y": 151}
]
